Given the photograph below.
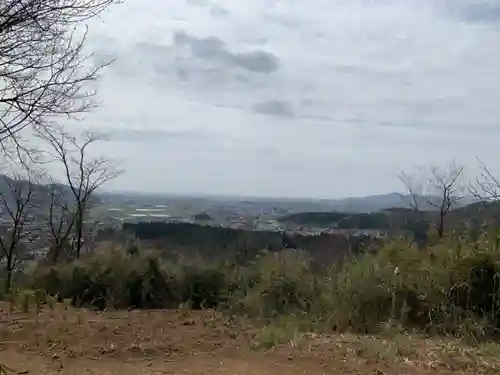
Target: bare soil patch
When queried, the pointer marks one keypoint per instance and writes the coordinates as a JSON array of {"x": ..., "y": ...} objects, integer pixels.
[{"x": 77, "y": 341}]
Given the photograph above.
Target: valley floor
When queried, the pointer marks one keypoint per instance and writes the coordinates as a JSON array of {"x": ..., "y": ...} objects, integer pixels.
[{"x": 69, "y": 341}]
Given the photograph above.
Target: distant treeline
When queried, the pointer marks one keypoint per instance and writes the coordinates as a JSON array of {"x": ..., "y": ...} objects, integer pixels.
[
  {"x": 242, "y": 245},
  {"x": 377, "y": 220},
  {"x": 472, "y": 218},
  {"x": 397, "y": 218}
]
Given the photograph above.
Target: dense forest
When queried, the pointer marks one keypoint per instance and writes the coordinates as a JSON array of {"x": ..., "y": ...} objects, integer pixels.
[
  {"x": 241, "y": 245},
  {"x": 400, "y": 220},
  {"x": 342, "y": 220},
  {"x": 217, "y": 243}
]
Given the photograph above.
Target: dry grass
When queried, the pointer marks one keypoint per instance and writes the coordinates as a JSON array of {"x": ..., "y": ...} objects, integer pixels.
[
  {"x": 187, "y": 342},
  {"x": 450, "y": 290},
  {"x": 453, "y": 287}
]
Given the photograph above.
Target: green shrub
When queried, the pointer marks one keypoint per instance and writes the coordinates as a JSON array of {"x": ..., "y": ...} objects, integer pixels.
[
  {"x": 282, "y": 283},
  {"x": 204, "y": 286},
  {"x": 438, "y": 289},
  {"x": 450, "y": 287},
  {"x": 114, "y": 280}
]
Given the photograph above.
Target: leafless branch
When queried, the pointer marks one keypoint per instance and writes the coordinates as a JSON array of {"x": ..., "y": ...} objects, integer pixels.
[
  {"x": 412, "y": 188},
  {"x": 17, "y": 204},
  {"x": 44, "y": 72},
  {"x": 83, "y": 176},
  {"x": 486, "y": 189},
  {"x": 60, "y": 219},
  {"x": 487, "y": 186},
  {"x": 440, "y": 188},
  {"x": 443, "y": 184}
]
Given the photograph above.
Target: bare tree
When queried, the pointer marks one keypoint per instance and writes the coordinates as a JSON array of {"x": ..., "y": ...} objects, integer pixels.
[
  {"x": 487, "y": 186},
  {"x": 439, "y": 188},
  {"x": 417, "y": 223},
  {"x": 448, "y": 190},
  {"x": 83, "y": 175},
  {"x": 486, "y": 189},
  {"x": 17, "y": 203},
  {"x": 413, "y": 188},
  {"x": 60, "y": 220},
  {"x": 44, "y": 72}
]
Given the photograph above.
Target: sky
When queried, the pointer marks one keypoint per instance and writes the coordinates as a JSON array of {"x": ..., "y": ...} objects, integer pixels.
[{"x": 291, "y": 98}]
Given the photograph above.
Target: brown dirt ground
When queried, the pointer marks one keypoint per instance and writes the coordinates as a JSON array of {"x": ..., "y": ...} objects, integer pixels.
[{"x": 81, "y": 342}]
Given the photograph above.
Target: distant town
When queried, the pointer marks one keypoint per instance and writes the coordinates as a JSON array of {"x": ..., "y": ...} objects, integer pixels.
[{"x": 248, "y": 214}]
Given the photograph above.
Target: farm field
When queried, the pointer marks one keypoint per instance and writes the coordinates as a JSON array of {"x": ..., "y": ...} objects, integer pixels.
[{"x": 70, "y": 341}]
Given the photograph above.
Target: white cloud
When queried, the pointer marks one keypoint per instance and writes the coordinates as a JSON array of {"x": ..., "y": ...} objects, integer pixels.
[{"x": 364, "y": 88}]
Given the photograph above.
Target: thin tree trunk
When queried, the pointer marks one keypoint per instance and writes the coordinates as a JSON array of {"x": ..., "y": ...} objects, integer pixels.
[
  {"x": 79, "y": 235},
  {"x": 8, "y": 268},
  {"x": 441, "y": 226}
]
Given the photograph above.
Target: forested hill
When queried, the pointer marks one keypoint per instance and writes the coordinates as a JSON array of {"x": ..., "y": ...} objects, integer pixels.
[
  {"x": 475, "y": 214},
  {"x": 236, "y": 244},
  {"x": 380, "y": 202},
  {"x": 377, "y": 220}
]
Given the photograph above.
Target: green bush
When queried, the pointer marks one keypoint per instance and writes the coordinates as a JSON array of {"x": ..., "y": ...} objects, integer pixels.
[
  {"x": 204, "y": 286},
  {"x": 281, "y": 283},
  {"x": 440, "y": 289},
  {"x": 113, "y": 280},
  {"x": 450, "y": 287}
]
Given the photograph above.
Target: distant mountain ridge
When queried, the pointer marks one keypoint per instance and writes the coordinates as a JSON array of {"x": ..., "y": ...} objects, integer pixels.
[
  {"x": 7, "y": 182},
  {"x": 380, "y": 202},
  {"x": 41, "y": 192},
  {"x": 470, "y": 213}
]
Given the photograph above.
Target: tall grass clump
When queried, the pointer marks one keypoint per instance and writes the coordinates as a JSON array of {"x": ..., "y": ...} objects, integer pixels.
[
  {"x": 124, "y": 279},
  {"x": 204, "y": 285},
  {"x": 282, "y": 284},
  {"x": 111, "y": 280},
  {"x": 450, "y": 287}
]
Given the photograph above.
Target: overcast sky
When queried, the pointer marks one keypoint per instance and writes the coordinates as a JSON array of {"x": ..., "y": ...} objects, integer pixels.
[{"x": 320, "y": 98}]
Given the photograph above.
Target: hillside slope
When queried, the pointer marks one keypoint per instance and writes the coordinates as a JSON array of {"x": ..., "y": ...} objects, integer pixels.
[{"x": 473, "y": 215}]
